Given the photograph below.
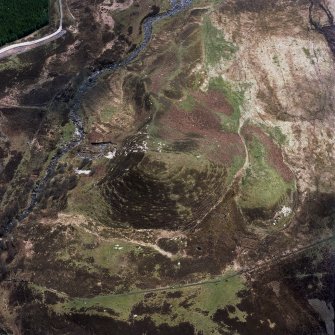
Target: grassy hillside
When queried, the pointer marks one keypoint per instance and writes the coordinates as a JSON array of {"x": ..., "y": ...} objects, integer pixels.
[{"x": 19, "y": 18}]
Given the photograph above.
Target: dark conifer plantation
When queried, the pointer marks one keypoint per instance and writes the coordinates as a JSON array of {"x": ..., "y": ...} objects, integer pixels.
[{"x": 19, "y": 18}]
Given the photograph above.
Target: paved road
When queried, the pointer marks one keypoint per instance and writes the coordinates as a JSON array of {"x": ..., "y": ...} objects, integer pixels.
[{"x": 38, "y": 41}]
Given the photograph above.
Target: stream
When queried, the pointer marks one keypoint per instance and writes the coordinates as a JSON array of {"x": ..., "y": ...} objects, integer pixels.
[{"x": 79, "y": 134}]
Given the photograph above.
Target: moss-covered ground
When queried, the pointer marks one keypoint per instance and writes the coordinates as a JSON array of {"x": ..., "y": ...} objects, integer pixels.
[
  {"x": 262, "y": 186},
  {"x": 196, "y": 304}
]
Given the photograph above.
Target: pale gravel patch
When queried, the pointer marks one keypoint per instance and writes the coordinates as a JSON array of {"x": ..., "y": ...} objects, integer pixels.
[
  {"x": 28, "y": 248},
  {"x": 111, "y": 154},
  {"x": 84, "y": 172},
  {"x": 86, "y": 225},
  {"x": 106, "y": 9}
]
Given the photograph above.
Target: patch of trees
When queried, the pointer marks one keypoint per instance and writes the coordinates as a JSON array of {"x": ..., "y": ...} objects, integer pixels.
[{"x": 19, "y": 18}]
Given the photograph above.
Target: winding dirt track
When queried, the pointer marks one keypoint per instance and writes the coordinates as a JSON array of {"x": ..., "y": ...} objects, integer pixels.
[
  {"x": 275, "y": 259},
  {"x": 6, "y": 51},
  {"x": 244, "y": 271}
]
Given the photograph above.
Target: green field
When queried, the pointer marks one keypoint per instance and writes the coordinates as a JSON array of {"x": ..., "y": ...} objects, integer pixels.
[
  {"x": 217, "y": 48},
  {"x": 19, "y": 18},
  {"x": 262, "y": 186},
  {"x": 196, "y": 304}
]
